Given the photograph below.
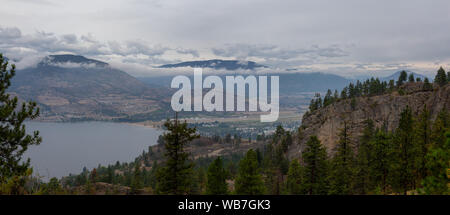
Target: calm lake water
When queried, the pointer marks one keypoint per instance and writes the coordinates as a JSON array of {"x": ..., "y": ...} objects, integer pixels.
[{"x": 68, "y": 147}]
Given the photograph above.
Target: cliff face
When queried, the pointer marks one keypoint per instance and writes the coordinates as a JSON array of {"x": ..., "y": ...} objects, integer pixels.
[{"x": 326, "y": 122}]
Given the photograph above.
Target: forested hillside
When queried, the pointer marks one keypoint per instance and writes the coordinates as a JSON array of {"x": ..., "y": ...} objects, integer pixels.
[{"x": 407, "y": 153}]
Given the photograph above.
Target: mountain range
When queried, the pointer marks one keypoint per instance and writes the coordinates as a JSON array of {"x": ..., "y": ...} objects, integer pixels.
[
  {"x": 217, "y": 64},
  {"x": 73, "y": 87}
]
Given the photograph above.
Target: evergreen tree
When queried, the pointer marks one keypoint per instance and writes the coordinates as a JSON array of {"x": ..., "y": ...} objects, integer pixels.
[
  {"x": 271, "y": 179},
  {"x": 198, "y": 183},
  {"x": 136, "y": 183},
  {"x": 411, "y": 78},
  {"x": 380, "y": 164},
  {"x": 288, "y": 139},
  {"x": 176, "y": 176},
  {"x": 344, "y": 93},
  {"x": 342, "y": 164},
  {"x": 402, "y": 78},
  {"x": 438, "y": 157},
  {"x": 153, "y": 174},
  {"x": 441, "y": 123},
  {"x": 391, "y": 85},
  {"x": 110, "y": 175},
  {"x": 14, "y": 140},
  {"x": 328, "y": 99},
  {"x": 279, "y": 133},
  {"x": 216, "y": 183},
  {"x": 438, "y": 165},
  {"x": 278, "y": 167},
  {"x": 294, "y": 180},
  {"x": 52, "y": 188},
  {"x": 422, "y": 141},
  {"x": 336, "y": 95},
  {"x": 403, "y": 166},
  {"x": 249, "y": 180},
  {"x": 315, "y": 167},
  {"x": 363, "y": 182},
  {"x": 441, "y": 78},
  {"x": 427, "y": 86}
]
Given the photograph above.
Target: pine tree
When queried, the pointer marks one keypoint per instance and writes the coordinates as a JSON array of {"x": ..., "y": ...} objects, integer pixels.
[
  {"x": 136, "y": 183},
  {"x": 441, "y": 123},
  {"x": 176, "y": 176},
  {"x": 438, "y": 165},
  {"x": 342, "y": 164},
  {"x": 52, "y": 188},
  {"x": 411, "y": 78},
  {"x": 14, "y": 140},
  {"x": 198, "y": 183},
  {"x": 441, "y": 78},
  {"x": 315, "y": 167},
  {"x": 271, "y": 179},
  {"x": 391, "y": 85},
  {"x": 422, "y": 141},
  {"x": 404, "y": 153},
  {"x": 288, "y": 139},
  {"x": 336, "y": 95},
  {"x": 110, "y": 175},
  {"x": 249, "y": 180},
  {"x": 427, "y": 86},
  {"x": 380, "y": 164},
  {"x": 363, "y": 182},
  {"x": 153, "y": 175},
  {"x": 294, "y": 180},
  {"x": 402, "y": 78},
  {"x": 216, "y": 183},
  {"x": 279, "y": 133},
  {"x": 344, "y": 93},
  {"x": 328, "y": 99}
]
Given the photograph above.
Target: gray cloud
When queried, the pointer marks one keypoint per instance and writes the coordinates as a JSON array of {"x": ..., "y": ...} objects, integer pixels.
[
  {"x": 9, "y": 33},
  {"x": 27, "y": 49},
  {"x": 192, "y": 52},
  {"x": 274, "y": 52},
  {"x": 347, "y": 37}
]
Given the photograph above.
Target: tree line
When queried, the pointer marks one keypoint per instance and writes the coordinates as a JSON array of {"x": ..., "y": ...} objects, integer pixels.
[
  {"x": 373, "y": 87},
  {"x": 411, "y": 159}
]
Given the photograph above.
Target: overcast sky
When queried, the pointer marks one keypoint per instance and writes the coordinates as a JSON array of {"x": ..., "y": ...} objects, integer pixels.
[{"x": 350, "y": 38}]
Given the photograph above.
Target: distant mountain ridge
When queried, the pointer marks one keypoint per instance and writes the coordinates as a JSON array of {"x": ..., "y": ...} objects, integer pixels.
[
  {"x": 78, "y": 92},
  {"x": 101, "y": 92},
  {"x": 290, "y": 83},
  {"x": 68, "y": 58},
  {"x": 217, "y": 64}
]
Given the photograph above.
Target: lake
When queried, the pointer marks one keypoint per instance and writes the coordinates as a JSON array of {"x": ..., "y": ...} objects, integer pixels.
[{"x": 68, "y": 147}]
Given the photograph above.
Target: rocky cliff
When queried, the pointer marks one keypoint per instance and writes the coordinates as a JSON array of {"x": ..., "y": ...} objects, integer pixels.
[{"x": 383, "y": 109}]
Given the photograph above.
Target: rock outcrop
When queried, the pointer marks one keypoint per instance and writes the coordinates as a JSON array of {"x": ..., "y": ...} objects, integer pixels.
[{"x": 385, "y": 109}]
